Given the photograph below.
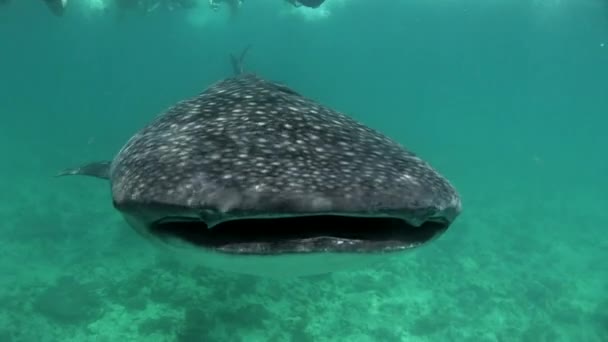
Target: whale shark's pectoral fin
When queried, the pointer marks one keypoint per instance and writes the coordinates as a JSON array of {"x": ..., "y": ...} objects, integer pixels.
[{"x": 99, "y": 169}]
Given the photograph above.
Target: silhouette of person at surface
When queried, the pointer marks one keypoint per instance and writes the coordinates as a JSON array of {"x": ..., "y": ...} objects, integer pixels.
[
  {"x": 58, "y": 7},
  {"x": 306, "y": 3}
]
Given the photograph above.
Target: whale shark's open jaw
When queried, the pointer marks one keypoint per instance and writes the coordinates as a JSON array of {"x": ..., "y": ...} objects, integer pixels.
[{"x": 300, "y": 234}]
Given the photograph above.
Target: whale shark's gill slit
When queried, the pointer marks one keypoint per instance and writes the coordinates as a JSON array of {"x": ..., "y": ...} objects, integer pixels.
[{"x": 328, "y": 233}]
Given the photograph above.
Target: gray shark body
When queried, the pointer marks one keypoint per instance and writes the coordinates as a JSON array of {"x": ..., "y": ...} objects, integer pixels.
[{"x": 252, "y": 177}]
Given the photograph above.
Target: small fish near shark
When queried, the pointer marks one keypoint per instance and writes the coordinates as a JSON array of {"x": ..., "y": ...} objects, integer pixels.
[{"x": 252, "y": 177}]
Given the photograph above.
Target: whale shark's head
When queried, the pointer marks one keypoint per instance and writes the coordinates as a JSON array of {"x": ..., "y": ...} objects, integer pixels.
[{"x": 255, "y": 178}]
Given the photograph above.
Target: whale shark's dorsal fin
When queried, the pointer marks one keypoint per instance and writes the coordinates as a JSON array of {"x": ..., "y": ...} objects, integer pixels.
[
  {"x": 57, "y": 7},
  {"x": 237, "y": 63},
  {"x": 100, "y": 169}
]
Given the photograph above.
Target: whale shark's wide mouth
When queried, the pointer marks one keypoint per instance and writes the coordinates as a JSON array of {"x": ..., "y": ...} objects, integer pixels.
[{"x": 322, "y": 233}]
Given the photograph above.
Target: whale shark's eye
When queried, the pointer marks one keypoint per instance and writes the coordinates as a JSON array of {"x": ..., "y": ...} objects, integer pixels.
[{"x": 300, "y": 233}]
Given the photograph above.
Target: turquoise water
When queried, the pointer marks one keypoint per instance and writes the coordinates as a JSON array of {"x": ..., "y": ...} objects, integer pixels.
[{"x": 508, "y": 99}]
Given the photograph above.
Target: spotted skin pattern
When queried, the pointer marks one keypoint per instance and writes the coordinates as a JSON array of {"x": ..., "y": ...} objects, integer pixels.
[{"x": 247, "y": 146}]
